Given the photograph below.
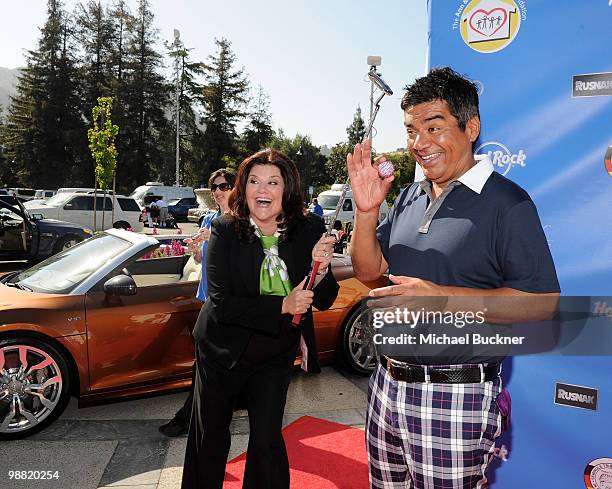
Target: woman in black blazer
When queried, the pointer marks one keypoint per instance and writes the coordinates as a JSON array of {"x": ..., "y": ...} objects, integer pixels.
[{"x": 258, "y": 259}]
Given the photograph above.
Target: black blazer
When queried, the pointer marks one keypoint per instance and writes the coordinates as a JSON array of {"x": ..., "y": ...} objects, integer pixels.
[{"x": 235, "y": 309}]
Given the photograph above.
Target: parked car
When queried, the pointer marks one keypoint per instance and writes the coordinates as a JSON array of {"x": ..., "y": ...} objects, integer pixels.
[
  {"x": 23, "y": 193},
  {"x": 178, "y": 208},
  {"x": 78, "y": 207},
  {"x": 96, "y": 322},
  {"x": 82, "y": 190},
  {"x": 206, "y": 204},
  {"x": 197, "y": 214},
  {"x": 24, "y": 236}
]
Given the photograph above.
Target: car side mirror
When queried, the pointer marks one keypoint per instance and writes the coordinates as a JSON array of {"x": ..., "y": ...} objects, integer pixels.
[{"x": 120, "y": 285}]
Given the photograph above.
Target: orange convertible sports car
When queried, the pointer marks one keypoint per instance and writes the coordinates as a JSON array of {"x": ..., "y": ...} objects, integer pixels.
[{"x": 97, "y": 322}]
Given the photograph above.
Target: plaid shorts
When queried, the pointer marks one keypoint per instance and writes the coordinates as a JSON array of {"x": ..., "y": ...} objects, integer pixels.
[{"x": 430, "y": 436}]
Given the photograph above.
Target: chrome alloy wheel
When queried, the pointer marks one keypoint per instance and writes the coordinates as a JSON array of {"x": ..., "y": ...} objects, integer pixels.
[
  {"x": 30, "y": 387},
  {"x": 359, "y": 344}
]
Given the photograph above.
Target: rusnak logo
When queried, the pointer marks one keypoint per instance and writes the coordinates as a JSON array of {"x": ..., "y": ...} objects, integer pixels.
[
  {"x": 592, "y": 85},
  {"x": 598, "y": 474},
  {"x": 488, "y": 26},
  {"x": 502, "y": 158},
  {"x": 576, "y": 396},
  {"x": 608, "y": 159}
]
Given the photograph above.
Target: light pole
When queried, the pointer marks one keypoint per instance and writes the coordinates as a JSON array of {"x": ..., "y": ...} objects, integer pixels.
[{"x": 177, "y": 65}]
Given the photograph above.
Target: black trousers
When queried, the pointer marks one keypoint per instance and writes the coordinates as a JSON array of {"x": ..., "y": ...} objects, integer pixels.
[
  {"x": 216, "y": 391},
  {"x": 183, "y": 415}
]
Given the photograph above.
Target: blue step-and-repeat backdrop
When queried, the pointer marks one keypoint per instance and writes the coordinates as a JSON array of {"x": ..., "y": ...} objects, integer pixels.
[{"x": 544, "y": 71}]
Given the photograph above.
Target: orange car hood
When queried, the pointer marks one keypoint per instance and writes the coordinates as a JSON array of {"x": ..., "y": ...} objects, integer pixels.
[
  {"x": 53, "y": 314},
  {"x": 11, "y": 297}
]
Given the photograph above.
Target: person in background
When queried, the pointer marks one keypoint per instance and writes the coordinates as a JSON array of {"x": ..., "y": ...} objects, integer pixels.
[
  {"x": 340, "y": 235},
  {"x": 162, "y": 205},
  {"x": 259, "y": 256},
  {"x": 220, "y": 183},
  {"x": 316, "y": 207}
]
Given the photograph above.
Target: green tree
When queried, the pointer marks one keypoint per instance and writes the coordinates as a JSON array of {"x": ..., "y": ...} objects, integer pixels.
[
  {"x": 5, "y": 173},
  {"x": 95, "y": 35},
  {"x": 404, "y": 173},
  {"x": 306, "y": 156},
  {"x": 258, "y": 133},
  {"x": 102, "y": 142},
  {"x": 44, "y": 133},
  {"x": 190, "y": 102},
  {"x": 102, "y": 146},
  {"x": 335, "y": 165},
  {"x": 356, "y": 131},
  {"x": 225, "y": 96},
  {"x": 122, "y": 24},
  {"x": 145, "y": 95}
]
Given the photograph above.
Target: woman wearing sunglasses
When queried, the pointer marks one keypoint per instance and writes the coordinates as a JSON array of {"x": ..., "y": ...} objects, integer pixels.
[
  {"x": 221, "y": 183},
  {"x": 258, "y": 259}
]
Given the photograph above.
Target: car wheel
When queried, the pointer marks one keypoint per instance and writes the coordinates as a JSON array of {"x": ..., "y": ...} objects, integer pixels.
[
  {"x": 34, "y": 386},
  {"x": 66, "y": 242},
  {"x": 121, "y": 225},
  {"x": 357, "y": 343}
]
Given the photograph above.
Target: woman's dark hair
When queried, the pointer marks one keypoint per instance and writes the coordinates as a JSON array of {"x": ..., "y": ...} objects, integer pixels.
[
  {"x": 458, "y": 92},
  {"x": 293, "y": 207},
  {"x": 227, "y": 173}
]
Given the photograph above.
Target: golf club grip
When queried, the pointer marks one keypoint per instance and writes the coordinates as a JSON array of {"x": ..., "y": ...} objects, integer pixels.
[{"x": 308, "y": 286}]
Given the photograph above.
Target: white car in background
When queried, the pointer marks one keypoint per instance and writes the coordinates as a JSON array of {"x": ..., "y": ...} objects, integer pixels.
[{"x": 78, "y": 208}]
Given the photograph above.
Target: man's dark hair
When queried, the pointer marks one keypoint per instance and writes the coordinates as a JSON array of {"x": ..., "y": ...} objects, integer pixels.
[{"x": 445, "y": 84}]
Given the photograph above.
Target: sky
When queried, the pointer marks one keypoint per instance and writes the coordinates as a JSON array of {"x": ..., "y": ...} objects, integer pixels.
[{"x": 309, "y": 57}]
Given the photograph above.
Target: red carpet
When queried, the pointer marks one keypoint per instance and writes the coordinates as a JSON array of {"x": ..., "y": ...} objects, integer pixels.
[{"x": 322, "y": 455}]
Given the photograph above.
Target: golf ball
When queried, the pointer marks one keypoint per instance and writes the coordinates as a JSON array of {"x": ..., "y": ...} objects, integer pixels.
[{"x": 386, "y": 169}]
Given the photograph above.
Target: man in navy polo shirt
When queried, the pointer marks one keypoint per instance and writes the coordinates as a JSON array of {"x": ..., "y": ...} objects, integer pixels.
[{"x": 463, "y": 230}]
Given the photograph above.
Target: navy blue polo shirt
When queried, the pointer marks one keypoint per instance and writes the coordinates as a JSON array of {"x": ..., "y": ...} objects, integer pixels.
[
  {"x": 486, "y": 234},
  {"x": 483, "y": 240}
]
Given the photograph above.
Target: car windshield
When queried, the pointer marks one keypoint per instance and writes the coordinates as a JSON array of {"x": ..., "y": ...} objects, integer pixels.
[
  {"x": 57, "y": 200},
  {"x": 328, "y": 202},
  {"x": 61, "y": 273},
  {"x": 174, "y": 201}
]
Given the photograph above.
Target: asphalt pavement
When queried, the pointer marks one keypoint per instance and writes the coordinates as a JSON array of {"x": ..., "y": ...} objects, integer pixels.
[{"x": 118, "y": 445}]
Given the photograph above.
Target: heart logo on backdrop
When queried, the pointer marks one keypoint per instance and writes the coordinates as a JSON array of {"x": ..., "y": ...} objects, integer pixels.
[{"x": 488, "y": 23}]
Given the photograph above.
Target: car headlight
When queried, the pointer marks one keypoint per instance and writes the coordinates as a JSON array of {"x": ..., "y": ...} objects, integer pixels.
[{"x": 88, "y": 231}]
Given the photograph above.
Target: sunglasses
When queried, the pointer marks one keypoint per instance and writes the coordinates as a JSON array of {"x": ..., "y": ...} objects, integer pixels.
[{"x": 224, "y": 187}]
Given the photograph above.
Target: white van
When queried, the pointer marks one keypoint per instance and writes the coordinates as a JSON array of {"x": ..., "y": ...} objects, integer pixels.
[
  {"x": 43, "y": 194},
  {"x": 166, "y": 192},
  {"x": 329, "y": 199},
  {"x": 78, "y": 208},
  {"x": 24, "y": 194}
]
